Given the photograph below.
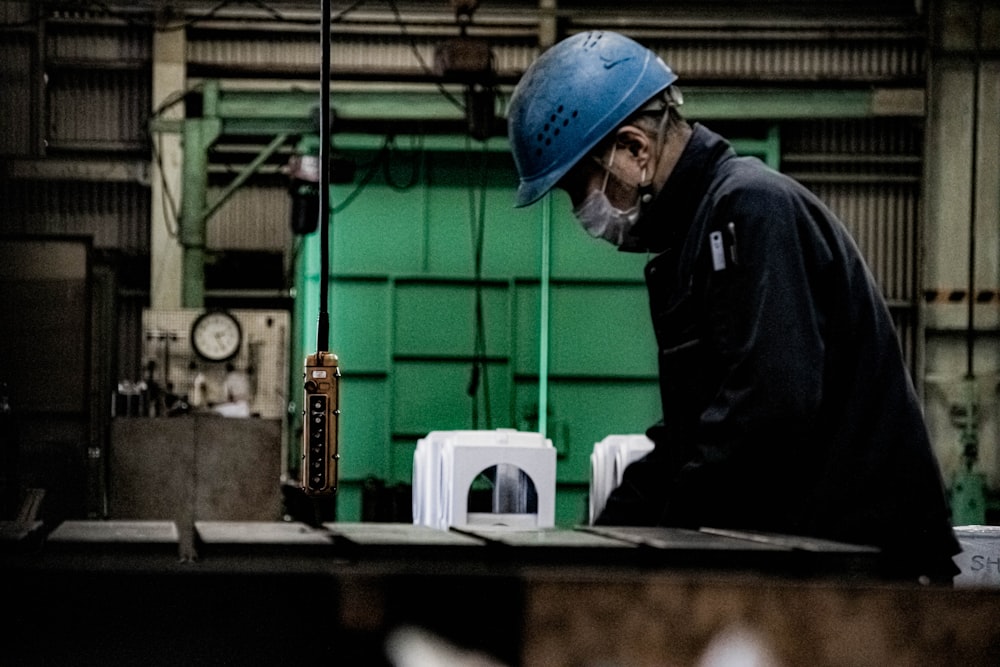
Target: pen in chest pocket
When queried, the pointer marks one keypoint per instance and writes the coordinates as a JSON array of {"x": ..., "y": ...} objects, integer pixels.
[
  {"x": 733, "y": 255},
  {"x": 723, "y": 249}
]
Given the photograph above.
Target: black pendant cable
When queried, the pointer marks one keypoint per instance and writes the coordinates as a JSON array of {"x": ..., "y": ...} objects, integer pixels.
[{"x": 323, "y": 324}]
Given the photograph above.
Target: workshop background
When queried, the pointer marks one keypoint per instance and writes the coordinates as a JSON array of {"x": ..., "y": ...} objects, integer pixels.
[{"x": 157, "y": 161}]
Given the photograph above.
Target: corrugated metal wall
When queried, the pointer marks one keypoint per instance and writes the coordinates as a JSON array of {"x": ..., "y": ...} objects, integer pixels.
[
  {"x": 91, "y": 116},
  {"x": 770, "y": 57},
  {"x": 357, "y": 56},
  {"x": 848, "y": 51},
  {"x": 868, "y": 171},
  {"x": 114, "y": 214},
  {"x": 100, "y": 111},
  {"x": 97, "y": 86},
  {"x": 254, "y": 218},
  {"x": 17, "y": 75}
]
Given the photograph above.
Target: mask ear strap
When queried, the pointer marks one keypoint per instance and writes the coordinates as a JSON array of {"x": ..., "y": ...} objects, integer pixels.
[
  {"x": 607, "y": 169},
  {"x": 645, "y": 189}
]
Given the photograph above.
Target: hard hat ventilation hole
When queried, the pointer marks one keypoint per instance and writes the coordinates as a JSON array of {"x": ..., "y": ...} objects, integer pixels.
[
  {"x": 557, "y": 120},
  {"x": 592, "y": 40}
]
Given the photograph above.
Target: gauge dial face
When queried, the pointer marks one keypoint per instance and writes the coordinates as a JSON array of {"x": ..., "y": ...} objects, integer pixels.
[{"x": 216, "y": 336}]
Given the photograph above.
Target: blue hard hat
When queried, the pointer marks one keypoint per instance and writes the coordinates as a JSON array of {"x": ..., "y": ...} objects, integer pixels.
[{"x": 571, "y": 97}]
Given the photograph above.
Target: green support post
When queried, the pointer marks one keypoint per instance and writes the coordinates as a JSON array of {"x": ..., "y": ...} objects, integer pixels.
[
  {"x": 198, "y": 135},
  {"x": 968, "y": 489},
  {"x": 968, "y": 499}
]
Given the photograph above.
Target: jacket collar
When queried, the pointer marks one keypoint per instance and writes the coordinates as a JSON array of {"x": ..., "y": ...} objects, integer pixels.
[{"x": 669, "y": 216}]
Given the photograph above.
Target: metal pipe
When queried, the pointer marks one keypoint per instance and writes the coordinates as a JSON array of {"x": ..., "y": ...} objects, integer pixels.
[
  {"x": 970, "y": 436},
  {"x": 973, "y": 195},
  {"x": 543, "y": 316}
]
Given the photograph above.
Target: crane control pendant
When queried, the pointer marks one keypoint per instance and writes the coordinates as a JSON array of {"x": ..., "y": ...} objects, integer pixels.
[{"x": 320, "y": 421}]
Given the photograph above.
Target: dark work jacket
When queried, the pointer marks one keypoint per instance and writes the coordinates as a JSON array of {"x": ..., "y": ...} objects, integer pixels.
[{"x": 787, "y": 405}]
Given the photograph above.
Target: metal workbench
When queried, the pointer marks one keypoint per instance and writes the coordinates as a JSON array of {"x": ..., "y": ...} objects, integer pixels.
[{"x": 275, "y": 593}]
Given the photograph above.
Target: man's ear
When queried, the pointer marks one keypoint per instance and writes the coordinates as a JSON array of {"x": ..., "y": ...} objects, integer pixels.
[{"x": 632, "y": 139}]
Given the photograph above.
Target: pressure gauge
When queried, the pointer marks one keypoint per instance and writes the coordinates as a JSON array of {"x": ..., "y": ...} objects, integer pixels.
[{"x": 216, "y": 335}]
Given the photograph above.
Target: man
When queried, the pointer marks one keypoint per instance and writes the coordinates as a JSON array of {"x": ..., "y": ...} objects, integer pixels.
[{"x": 787, "y": 405}]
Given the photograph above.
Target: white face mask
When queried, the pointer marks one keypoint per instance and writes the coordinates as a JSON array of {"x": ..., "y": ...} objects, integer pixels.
[{"x": 601, "y": 219}]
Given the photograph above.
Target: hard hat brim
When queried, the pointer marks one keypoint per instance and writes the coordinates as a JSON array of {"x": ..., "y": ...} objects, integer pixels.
[{"x": 531, "y": 191}]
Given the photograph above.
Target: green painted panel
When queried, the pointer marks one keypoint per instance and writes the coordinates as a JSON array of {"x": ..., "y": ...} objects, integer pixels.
[
  {"x": 432, "y": 396},
  {"x": 593, "y": 410},
  {"x": 439, "y": 319},
  {"x": 359, "y": 325},
  {"x": 597, "y": 329},
  {"x": 466, "y": 207},
  {"x": 601, "y": 330},
  {"x": 557, "y": 428},
  {"x": 380, "y": 232},
  {"x": 306, "y": 299},
  {"x": 364, "y": 427},
  {"x": 349, "y": 501},
  {"x": 572, "y": 506},
  {"x": 452, "y": 229},
  {"x": 526, "y": 306},
  {"x": 401, "y": 461}
]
